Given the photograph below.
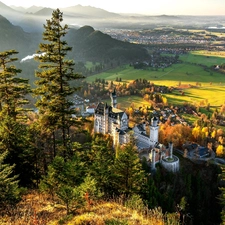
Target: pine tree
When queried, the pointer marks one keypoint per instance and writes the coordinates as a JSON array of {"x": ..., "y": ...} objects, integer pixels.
[
  {"x": 53, "y": 86},
  {"x": 129, "y": 175},
  {"x": 101, "y": 158},
  {"x": 13, "y": 90},
  {"x": 13, "y": 130},
  {"x": 9, "y": 190}
]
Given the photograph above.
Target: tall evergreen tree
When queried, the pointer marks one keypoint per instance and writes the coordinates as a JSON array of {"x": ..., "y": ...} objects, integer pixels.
[
  {"x": 13, "y": 130},
  {"x": 54, "y": 84}
]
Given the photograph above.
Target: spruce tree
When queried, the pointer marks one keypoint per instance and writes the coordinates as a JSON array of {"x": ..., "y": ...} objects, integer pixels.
[
  {"x": 13, "y": 129},
  {"x": 129, "y": 177},
  {"x": 13, "y": 90},
  {"x": 53, "y": 90},
  {"x": 9, "y": 190}
]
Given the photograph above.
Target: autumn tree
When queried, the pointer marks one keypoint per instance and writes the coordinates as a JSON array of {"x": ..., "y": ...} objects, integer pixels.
[
  {"x": 53, "y": 90},
  {"x": 178, "y": 134}
]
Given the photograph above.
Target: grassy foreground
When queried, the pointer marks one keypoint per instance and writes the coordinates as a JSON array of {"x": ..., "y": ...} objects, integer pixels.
[{"x": 40, "y": 209}]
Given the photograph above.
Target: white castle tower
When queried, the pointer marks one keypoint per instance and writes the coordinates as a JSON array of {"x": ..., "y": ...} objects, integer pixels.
[
  {"x": 113, "y": 99},
  {"x": 154, "y": 131}
]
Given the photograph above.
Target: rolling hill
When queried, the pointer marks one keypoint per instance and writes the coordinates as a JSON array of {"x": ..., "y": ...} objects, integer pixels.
[
  {"x": 14, "y": 37},
  {"x": 93, "y": 45}
]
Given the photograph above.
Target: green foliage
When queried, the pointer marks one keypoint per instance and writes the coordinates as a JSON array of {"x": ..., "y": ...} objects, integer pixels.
[
  {"x": 12, "y": 89},
  {"x": 70, "y": 197},
  {"x": 135, "y": 202},
  {"x": 62, "y": 173},
  {"x": 62, "y": 182},
  {"x": 90, "y": 189},
  {"x": 66, "y": 181},
  {"x": 101, "y": 158},
  {"x": 13, "y": 131},
  {"x": 129, "y": 177},
  {"x": 53, "y": 84},
  {"x": 9, "y": 189}
]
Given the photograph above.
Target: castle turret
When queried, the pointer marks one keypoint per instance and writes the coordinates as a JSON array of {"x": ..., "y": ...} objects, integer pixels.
[
  {"x": 171, "y": 150},
  {"x": 153, "y": 159},
  {"x": 154, "y": 131},
  {"x": 113, "y": 99}
]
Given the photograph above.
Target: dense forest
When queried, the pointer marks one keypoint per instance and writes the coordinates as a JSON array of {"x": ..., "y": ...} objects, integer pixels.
[{"x": 50, "y": 151}]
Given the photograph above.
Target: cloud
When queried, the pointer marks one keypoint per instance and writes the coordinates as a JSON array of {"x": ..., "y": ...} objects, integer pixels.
[{"x": 31, "y": 57}]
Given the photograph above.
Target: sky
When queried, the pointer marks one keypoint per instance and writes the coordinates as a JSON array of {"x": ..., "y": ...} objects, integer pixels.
[{"x": 147, "y": 7}]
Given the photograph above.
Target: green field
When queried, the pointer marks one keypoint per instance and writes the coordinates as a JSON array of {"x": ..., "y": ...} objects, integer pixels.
[
  {"x": 208, "y": 58},
  {"x": 126, "y": 101},
  {"x": 212, "y": 83}
]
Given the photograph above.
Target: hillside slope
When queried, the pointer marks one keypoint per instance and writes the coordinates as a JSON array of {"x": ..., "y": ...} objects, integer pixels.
[
  {"x": 93, "y": 45},
  {"x": 40, "y": 209},
  {"x": 13, "y": 37}
]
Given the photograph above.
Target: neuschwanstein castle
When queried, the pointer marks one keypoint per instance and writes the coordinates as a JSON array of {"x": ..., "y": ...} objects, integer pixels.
[{"x": 108, "y": 119}]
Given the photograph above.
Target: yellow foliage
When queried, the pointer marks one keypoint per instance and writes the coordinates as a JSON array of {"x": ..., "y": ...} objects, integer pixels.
[
  {"x": 213, "y": 134},
  {"x": 220, "y": 150},
  {"x": 196, "y": 132}
]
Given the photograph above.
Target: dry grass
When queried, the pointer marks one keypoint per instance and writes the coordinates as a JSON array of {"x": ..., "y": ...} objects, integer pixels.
[
  {"x": 33, "y": 209},
  {"x": 37, "y": 209}
]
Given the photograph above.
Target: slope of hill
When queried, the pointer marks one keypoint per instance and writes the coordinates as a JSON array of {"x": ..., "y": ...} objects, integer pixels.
[
  {"x": 13, "y": 37},
  {"x": 93, "y": 45},
  {"x": 40, "y": 209},
  {"x": 87, "y": 43}
]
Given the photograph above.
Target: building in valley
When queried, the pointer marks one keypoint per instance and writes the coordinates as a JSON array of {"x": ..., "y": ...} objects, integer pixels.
[{"x": 108, "y": 119}]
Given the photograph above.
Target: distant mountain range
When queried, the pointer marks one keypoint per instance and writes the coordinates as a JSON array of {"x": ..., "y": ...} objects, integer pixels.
[
  {"x": 21, "y": 29},
  {"x": 33, "y": 18},
  {"x": 87, "y": 44}
]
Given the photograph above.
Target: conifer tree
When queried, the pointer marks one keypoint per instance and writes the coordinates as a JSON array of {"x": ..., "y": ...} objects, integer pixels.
[
  {"x": 9, "y": 190},
  {"x": 13, "y": 130},
  {"x": 101, "y": 158},
  {"x": 55, "y": 74},
  {"x": 13, "y": 90},
  {"x": 129, "y": 175}
]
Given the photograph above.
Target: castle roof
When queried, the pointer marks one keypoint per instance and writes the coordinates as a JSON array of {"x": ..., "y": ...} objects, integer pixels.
[
  {"x": 113, "y": 112},
  {"x": 140, "y": 127},
  {"x": 100, "y": 108}
]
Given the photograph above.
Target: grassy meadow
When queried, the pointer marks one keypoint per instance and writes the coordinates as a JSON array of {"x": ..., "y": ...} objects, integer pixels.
[{"x": 210, "y": 84}]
